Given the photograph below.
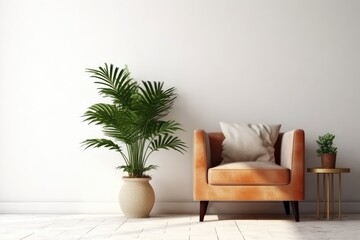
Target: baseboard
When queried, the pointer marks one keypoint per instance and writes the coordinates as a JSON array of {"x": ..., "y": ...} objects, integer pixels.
[
  {"x": 165, "y": 207},
  {"x": 245, "y": 207}
]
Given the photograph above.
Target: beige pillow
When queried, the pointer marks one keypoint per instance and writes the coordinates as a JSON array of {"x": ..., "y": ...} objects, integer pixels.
[{"x": 249, "y": 142}]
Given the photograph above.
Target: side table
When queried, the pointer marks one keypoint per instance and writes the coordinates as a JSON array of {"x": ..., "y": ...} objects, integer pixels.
[{"x": 328, "y": 188}]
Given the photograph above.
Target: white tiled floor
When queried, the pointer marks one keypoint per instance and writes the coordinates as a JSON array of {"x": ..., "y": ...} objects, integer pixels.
[{"x": 168, "y": 227}]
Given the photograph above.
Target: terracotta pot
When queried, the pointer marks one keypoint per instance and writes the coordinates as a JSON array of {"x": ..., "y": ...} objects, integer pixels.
[
  {"x": 136, "y": 197},
  {"x": 328, "y": 160}
]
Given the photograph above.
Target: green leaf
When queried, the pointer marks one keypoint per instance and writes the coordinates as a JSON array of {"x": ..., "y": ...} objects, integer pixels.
[
  {"x": 167, "y": 142},
  {"x": 96, "y": 143}
]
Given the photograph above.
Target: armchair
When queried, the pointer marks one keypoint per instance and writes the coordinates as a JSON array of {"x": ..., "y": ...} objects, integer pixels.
[{"x": 247, "y": 182}]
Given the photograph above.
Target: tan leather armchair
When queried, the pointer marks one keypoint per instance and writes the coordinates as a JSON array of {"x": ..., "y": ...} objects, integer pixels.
[{"x": 250, "y": 184}]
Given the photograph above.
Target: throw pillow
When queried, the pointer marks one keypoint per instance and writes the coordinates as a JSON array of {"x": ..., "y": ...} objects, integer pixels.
[{"x": 249, "y": 142}]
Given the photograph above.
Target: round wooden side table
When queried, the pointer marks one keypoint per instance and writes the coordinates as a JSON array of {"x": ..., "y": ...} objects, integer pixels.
[{"x": 328, "y": 189}]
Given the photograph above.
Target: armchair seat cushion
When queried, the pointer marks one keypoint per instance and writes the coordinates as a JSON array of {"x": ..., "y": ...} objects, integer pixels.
[{"x": 249, "y": 173}]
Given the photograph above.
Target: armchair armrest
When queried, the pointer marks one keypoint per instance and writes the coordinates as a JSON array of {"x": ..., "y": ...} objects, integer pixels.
[
  {"x": 292, "y": 157},
  {"x": 201, "y": 161}
]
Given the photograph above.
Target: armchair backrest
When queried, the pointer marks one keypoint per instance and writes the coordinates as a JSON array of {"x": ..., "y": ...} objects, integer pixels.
[{"x": 215, "y": 142}]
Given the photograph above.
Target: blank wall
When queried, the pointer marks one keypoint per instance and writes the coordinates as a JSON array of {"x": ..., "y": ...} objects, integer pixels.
[{"x": 291, "y": 62}]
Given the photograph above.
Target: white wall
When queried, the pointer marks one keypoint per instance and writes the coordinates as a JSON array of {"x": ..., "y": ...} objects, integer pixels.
[{"x": 290, "y": 62}]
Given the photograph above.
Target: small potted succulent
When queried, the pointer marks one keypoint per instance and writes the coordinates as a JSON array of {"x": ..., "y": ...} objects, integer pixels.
[{"x": 326, "y": 150}]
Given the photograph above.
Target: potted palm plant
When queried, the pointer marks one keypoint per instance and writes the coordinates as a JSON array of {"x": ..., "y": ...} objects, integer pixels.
[
  {"x": 134, "y": 125},
  {"x": 326, "y": 150}
]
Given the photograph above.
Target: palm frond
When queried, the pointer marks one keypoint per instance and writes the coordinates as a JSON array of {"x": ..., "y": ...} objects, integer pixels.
[
  {"x": 169, "y": 126},
  {"x": 101, "y": 142},
  {"x": 163, "y": 127},
  {"x": 116, "y": 84},
  {"x": 167, "y": 142},
  {"x": 156, "y": 102},
  {"x": 101, "y": 113},
  {"x": 136, "y": 172}
]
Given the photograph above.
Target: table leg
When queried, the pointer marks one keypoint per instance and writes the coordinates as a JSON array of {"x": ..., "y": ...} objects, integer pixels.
[
  {"x": 328, "y": 196},
  {"x": 332, "y": 212},
  {"x": 318, "y": 196},
  {"x": 339, "y": 196},
  {"x": 324, "y": 194}
]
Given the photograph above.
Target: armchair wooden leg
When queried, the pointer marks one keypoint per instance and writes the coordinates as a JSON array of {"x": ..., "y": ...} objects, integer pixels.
[
  {"x": 287, "y": 207},
  {"x": 203, "y": 207},
  {"x": 295, "y": 208}
]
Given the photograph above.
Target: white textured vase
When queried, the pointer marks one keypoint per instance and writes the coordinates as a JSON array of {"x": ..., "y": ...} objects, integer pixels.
[{"x": 136, "y": 197}]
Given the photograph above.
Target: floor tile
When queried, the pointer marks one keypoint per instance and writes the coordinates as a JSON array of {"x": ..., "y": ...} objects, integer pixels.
[{"x": 173, "y": 227}]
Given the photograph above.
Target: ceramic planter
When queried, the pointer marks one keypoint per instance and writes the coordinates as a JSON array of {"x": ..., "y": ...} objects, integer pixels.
[
  {"x": 328, "y": 160},
  {"x": 136, "y": 197}
]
